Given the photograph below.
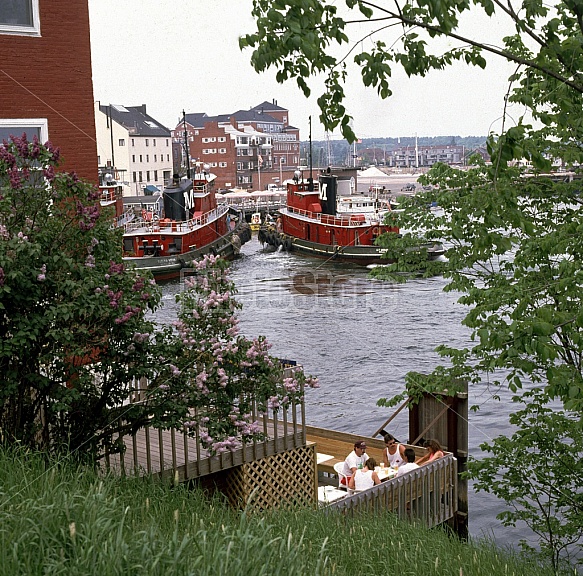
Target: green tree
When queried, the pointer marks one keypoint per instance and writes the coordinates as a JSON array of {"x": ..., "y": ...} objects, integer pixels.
[
  {"x": 538, "y": 472},
  {"x": 513, "y": 238},
  {"x": 307, "y": 38},
  {"x": 76, "y": 329},
  {"x": 71, "y": 315}
]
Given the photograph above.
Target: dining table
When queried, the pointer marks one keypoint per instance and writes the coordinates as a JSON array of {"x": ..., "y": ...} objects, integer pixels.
[
  {"x": 328, "y": 494},
  {"x": 385, "y": 473}
]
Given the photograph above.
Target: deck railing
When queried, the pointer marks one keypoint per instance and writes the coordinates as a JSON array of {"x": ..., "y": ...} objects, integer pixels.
[
  {"x": 173, "y": 226},
  {"x": 177, "y": 454},
  {"x": 428, "y": 494},
  {"x": 344, "y": 220}
]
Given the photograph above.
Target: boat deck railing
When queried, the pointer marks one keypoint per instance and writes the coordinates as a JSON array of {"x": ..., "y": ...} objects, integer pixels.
[
  {"x": 342, "y": 220},
  {"x": 169, "y": 226}
]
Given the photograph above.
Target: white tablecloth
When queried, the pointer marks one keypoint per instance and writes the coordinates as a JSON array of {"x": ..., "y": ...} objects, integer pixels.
[
  {"x": 322, "y": 457},
  {"x": 327, "y": 494}
]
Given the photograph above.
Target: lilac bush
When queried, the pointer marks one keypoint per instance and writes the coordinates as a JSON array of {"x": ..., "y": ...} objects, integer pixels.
[
  {"x": 218, "y": 371},
  {"x": 69, "y": 310}
]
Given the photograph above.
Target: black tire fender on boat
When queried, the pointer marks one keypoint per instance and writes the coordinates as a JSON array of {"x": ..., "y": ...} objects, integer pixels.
[{"x": 287, "y": 244}]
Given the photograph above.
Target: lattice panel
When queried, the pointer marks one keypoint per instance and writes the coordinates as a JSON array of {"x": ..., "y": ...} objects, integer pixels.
[{"x": 274, "y": 482}]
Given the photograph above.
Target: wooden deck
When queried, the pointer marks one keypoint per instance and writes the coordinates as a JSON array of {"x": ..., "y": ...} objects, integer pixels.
[
  {"x": 284, "y": 467},
  {"x": 173, "y": 454},
  {"x": 180, "y": 456}
]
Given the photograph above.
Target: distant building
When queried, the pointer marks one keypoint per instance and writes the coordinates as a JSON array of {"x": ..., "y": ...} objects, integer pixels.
[
  {"x": 418, "y": 156},
  {"x": 46, "y": 85},
  {"x": 246, "y": 149},
  {"x": 135, "y": 146}
]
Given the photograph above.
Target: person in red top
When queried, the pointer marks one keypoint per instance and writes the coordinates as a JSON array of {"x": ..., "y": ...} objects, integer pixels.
[{"x": 434, "y": 451}]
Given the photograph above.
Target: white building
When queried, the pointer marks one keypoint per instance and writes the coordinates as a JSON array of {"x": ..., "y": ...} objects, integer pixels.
[{"x": 135, "y": 146}]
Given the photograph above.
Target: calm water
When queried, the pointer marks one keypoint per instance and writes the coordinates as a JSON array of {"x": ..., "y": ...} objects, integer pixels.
[{"x": 359, "y": 337}]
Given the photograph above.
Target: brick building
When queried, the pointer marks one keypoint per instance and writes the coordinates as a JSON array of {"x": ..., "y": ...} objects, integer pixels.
[
  {"x": 246, "y": 149},
  {"x": 45, "y": 78}
]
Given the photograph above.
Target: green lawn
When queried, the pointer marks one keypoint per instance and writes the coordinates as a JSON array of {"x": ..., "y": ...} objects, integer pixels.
[{"x": 60, "y": 519}]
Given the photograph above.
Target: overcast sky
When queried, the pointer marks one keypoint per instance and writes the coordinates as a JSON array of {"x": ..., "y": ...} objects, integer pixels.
[{"x": 173, "y": 55}]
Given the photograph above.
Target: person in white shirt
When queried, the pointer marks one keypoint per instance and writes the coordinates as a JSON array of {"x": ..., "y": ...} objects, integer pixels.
[
  {"x": 394, "y": 453},
  {"x": 365, "y": 478},
  {"x": 409, "y": 465},
  {"x": 356, "y": 459}
]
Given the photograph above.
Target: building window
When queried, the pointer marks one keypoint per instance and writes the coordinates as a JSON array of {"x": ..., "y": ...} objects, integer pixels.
[
  {"x": 147, "y": 142},
  {"x": 134, "y": 176},
  {"x": 222, "y": 138},
  {"x": 222, "y": 164},
  {"x": 155, "y": 157},
  {"x": 168, "y": 157},
  {"x": 154, "y": 142},
  {"x": 122, "y": 142},
  {"x": 133, "y": 142},
  {"x": 20, "y": 17},
  {"x": 222, "y": 150},
  {"x": 19, "y": 126},
  {"x": 147, "y": 157},
  {"x": 155, "y": 175},
  {"x": 140, "y": 175},
  {"x": 133, "y": 157},
  {"x": 141, "y": 158},
  {"x": 147, "y": 176},
  {"x": 167, "y": 140}
]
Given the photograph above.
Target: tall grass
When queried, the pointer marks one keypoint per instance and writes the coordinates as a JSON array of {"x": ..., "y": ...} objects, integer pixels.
[{"x": 57, "y": 518}]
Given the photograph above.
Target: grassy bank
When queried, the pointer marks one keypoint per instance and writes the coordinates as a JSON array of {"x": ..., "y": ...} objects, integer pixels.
[{"x": 60, "y": 519}]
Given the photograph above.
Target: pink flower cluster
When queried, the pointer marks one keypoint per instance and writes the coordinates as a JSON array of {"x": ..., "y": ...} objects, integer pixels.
[
  {"x": 114, "y": 297},
  {"x": 116, "y": 268},
  {"x": 88, "y": 215},
  {"x": 140, "y": 338},
  {"x": 130, "y": 312},
  {"x": 42, "y": 276},
  {"x": 229, "y": 443},
  {"x": 201, "y": 382}
]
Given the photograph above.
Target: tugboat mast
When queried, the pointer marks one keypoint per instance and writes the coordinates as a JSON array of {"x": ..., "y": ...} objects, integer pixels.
[{"x": 186, "y": 151}]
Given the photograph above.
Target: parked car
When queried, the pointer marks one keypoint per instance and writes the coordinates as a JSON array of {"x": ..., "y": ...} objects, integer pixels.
[{"x": 409, "y": 187}]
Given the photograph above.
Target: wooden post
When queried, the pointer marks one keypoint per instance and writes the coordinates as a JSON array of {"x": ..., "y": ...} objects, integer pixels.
[{"x": 427, "y": 419}]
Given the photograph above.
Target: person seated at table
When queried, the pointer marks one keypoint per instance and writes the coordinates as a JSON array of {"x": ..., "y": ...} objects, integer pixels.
[
  {"x": 394, "y": 453},
  {"x": 365, "y": 478},
  {"x": 356, "y": 459},
  {"x": 434, "y": 451},
  {"x": 409, "y": 464}
]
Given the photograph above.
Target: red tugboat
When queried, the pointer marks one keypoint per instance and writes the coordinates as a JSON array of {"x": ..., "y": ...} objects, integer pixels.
[
  {"x": 311, "y": 224},
  {"x": 187, "y": 226}
]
